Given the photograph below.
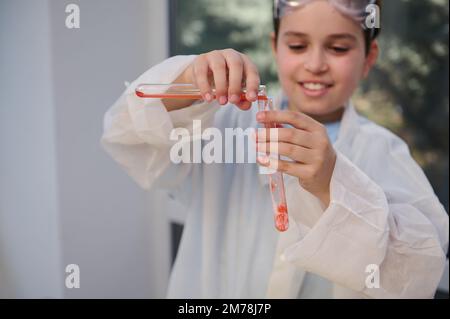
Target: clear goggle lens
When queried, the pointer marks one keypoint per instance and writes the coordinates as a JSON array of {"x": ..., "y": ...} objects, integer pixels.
[{"x": 357, "y": 9}]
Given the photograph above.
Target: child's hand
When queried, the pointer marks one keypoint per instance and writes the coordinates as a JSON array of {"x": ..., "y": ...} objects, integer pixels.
[
  {"x": 227, "y": 71},
  {"x": 307, "y": 144}
]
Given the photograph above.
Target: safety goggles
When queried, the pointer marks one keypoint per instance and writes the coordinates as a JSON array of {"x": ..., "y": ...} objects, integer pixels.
[{"x": 355, "y": 9}]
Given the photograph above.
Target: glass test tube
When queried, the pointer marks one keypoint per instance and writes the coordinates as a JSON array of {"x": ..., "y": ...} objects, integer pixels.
[{"x": 276, "y": 181}]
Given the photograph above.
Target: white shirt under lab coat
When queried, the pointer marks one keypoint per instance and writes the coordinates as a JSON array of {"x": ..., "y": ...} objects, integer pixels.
[{"x": 383, "y": 210}]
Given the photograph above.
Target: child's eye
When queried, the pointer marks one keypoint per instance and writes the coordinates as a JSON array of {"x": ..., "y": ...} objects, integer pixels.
[
  {"x": 340, "y": 49},
  {"x": 297, "y": 47}
]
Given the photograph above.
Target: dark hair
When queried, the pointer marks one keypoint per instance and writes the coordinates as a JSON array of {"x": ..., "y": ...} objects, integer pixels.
[{"x": 369, "y": 34}]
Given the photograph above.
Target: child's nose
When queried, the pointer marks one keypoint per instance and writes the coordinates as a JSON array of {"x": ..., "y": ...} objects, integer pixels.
[{"x": 316, "y": 62}]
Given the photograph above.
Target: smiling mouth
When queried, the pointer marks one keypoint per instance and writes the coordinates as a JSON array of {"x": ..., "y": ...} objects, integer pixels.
[{"x": 315, "y": 86}]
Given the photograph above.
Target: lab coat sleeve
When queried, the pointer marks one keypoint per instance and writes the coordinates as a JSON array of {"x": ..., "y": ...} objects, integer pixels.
[
  {"x": 394, "y": 231},
  {"x": 137, "y": 132}
]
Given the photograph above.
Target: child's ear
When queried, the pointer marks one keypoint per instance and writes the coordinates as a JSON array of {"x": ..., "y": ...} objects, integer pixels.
[
  {"x": 371, "y": 58},
  {"x": 273, "y": 43}
]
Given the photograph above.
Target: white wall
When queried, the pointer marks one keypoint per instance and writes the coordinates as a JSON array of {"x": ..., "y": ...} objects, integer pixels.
[
  {"x": 29, "y": 233},
  {"x": 62, "y": 199}
]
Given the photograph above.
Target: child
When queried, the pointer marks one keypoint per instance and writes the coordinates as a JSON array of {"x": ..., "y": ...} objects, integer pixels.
[{"x": 364, "y": 221}]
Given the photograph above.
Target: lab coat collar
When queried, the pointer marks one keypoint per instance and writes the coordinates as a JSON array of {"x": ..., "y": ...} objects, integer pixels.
[{"x": 349, "y": 128}]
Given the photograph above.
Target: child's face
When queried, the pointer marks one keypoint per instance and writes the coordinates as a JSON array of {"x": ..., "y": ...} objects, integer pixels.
[{"x": 321, "y": 58}]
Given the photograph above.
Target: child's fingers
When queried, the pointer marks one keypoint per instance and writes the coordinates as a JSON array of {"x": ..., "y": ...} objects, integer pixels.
[
  {"x": 218, "y": 66},
  {"x": 294, "y": 152},
  {"x": 290, "y": 168},
  {"x": 235, "y": 67},
  {"x": 288, "y": 135},
  {"x": 296, "y": 119},
  {"x": 229, "y": 69},
  {"x": 200, "y": 72},
  {"x": 252, "y": 78}
]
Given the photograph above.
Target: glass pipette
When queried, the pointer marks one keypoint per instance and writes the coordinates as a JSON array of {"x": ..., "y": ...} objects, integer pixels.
[{"x": 183, "y": 91}]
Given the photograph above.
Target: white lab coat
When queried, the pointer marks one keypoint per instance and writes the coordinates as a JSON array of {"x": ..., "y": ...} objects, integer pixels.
[{"x": 383, "y": 210}]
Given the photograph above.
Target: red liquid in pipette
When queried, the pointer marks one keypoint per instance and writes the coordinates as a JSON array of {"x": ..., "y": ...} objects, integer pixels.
[{"x": 189, "y": 96}]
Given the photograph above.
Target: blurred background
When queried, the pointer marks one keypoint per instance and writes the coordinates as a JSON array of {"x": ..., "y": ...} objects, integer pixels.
[{"x": 63, "y": 201}]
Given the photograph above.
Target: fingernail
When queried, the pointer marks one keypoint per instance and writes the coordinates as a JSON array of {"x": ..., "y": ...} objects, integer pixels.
[
  {"x": 233, "y": 98},
  {"x": 223, "y": 100},
  {"x": 208, "y": 97},
  {"x": 260, "y": 116},
  {"x": 252, "y": 95}
]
